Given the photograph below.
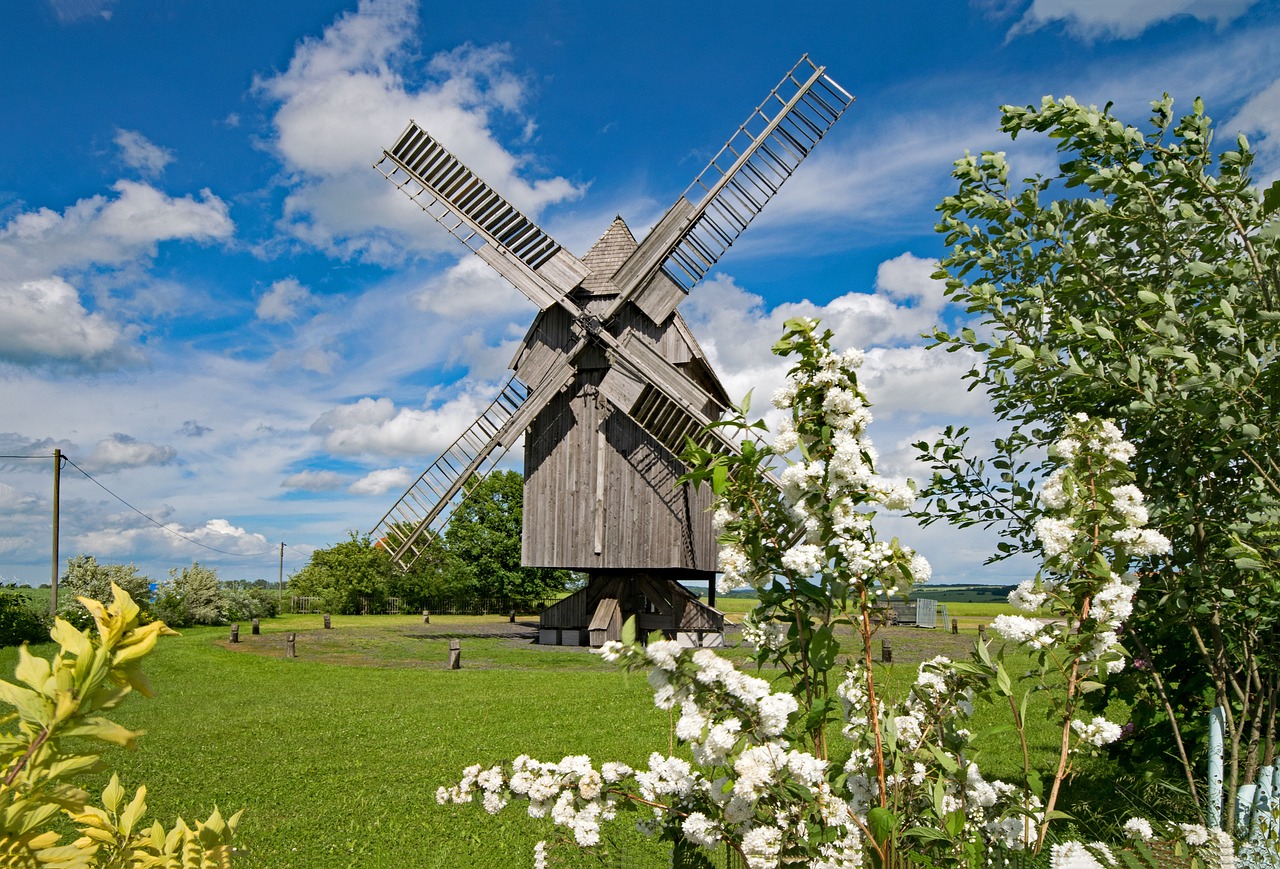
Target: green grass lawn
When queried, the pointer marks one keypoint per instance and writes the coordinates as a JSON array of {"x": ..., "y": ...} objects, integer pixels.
[{"x": 336, "y": 755}]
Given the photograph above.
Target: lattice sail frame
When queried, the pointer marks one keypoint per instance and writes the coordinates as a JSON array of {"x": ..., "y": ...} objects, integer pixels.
[{"x": 706, "y": 219}]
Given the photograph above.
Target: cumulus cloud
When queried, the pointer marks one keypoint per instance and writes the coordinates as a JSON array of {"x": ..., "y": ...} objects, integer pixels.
[
  {"x": 469, "y": 289},
  {"x": 14, "y": 444},
  {"x": 344, "y": 97},
  {"x": 170, "y": 540},
  {"x": 382, "y": 481},
  {"x": 280, "y": 303},
  {"x": 108, "y": 230},
  {"x": 43, "y": 317},
  {"x": 376, "y": 426},
  {"x": 1122, "y": 19},
  {"x": 140, "y": 153},
  {"x": 122, "y": 451},
  {"x": 314, "y": 481},
  {"x": 44, "y": 320}
]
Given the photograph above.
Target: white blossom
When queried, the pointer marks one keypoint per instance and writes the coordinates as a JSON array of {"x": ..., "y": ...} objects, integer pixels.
[
  {"x": 1016, "y": 629},
  {"x": 1139, "y": 828},
  {"x": 1098, "y": 732}
]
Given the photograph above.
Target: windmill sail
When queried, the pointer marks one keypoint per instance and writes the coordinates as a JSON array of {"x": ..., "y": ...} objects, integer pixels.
[
  {"x": 424, "y": 509},
  {"x": 480, "y": 218},
  {"x": 732, "y": 189}
]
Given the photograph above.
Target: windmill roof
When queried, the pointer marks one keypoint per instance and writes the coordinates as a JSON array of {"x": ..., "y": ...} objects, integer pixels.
[{"x": 607, "y": 255}]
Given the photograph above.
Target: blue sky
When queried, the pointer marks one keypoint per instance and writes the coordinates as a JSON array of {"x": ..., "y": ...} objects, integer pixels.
[{"x": 213, "y": 304}]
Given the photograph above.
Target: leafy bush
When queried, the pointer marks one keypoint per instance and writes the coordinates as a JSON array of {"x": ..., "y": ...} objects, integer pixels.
[
  {"x": 85, "y": 577},
  {"x": 20, "y": 622},
  {"x": 244, "y": 604}
]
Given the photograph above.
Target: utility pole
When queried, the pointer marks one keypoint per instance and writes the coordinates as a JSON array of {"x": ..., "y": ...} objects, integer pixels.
[
  {"x": 57, "y": 486},
  {"x": 281, "y": 596}
]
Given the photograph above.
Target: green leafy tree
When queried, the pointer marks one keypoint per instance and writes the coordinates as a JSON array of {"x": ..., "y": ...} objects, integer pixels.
[
  {"x": 85, "y": 577},
  {"x": 483, "y": 539},
  {"x": 350, "y": 576},
  {"x": 1139, "y": 282}
]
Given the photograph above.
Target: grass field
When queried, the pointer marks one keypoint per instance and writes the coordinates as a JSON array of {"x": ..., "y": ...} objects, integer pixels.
[{"x": 336, "y": 755}]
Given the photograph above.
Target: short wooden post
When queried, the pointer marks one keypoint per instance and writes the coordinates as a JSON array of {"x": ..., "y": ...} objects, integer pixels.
[
  {"x": 955, "y": 626},
  {"x": 455, "y": 654},
  {"x": 235, "y": 633},
  {"x": 327, "y": 623},
  {"x": 256, "y": 629},
  {"x": 426, "y": 617},
  {"x": 886, "y": 652},
  {"x": 290, "y": 650},
  {"x": 982, "y": 633},
  {"x": 513, "y": 617}
]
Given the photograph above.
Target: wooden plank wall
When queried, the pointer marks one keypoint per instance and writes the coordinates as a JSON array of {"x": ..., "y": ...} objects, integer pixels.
[{"x": 648, "y": 521}]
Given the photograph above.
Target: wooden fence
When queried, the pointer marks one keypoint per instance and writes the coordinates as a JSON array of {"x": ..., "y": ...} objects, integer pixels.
[{"x": 469, "y": 606}]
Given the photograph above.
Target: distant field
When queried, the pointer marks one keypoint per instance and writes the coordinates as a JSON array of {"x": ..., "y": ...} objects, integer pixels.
[{"x": 39, "y": 596}]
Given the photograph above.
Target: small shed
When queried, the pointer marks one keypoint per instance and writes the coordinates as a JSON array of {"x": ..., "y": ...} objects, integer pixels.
[
  {"x": 921, "y": 612},
  {"x": 594, "y": 615}
]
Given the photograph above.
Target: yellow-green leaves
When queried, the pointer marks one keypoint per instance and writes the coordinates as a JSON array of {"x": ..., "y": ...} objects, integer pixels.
[{"x": 62, "y": 699}]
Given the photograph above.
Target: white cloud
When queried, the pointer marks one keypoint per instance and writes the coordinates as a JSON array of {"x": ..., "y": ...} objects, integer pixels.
[
  {"x": 280, "y": 303},
  {"x": 43, "y": 320},
  {"x": 16, "y": 502},
  {"x": 343, "y": 99},
  {"x": 108, "y": 231},
  {"x": 140, "y": 153},
  {"x": 314, "y": 481},
  {"x": 1259, "y": 118},
  {"x": 70, "y": 11},
  {"x": 42, "y": 315},
  {"x": 467, "y": 289},
  {"x": 173, "y": 540},
  {"x": 377, "y": 426},
  {"x": 382, "y": 481},
  {"x": 122, "y": 451},
  {"x": 1123, "y": 19}
]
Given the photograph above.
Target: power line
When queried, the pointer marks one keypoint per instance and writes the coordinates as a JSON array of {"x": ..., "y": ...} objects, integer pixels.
[{"x": 165, "y": 528}]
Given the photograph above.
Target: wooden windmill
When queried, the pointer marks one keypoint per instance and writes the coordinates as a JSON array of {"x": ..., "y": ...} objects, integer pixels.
[{"x": 609, "y": 381}]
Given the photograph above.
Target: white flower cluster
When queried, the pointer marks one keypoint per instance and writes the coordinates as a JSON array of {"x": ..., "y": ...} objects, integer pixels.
[
  {"x": 735, "y": 723},
  {"x": 926, "y": 727},
  {"x": 571, "y": 792},
  {"x": 1127, "y": 514},
  {"x": 1098, "y": 732},
  {"x": 768, "y": 634}
]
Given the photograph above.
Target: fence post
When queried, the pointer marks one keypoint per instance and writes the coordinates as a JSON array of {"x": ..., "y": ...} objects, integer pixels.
[
  {"x": 256, "y": 629},
  {"x": 426, "y": 617},
  {"x": 982, "y": 633},
  {"x": 513, "y": 617},
  {"x": 886, "y": 652},
  {"x": 327, "y": 623},
  {"x": 955, "y": 626},
  {"x": 290, "y": 650},
  {"x": 455, "y": 654},
  {"x": 235, "y": 633}
]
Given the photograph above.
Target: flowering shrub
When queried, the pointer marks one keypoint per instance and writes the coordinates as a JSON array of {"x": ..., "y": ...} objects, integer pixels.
[{"x": 758, "y": 775}]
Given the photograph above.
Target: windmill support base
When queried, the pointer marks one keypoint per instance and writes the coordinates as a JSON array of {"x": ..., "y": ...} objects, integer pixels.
[{"x": 656, "y": 599}]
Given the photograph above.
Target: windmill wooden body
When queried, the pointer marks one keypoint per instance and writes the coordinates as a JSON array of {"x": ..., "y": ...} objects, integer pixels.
[{"x": 609, "y": 380}]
